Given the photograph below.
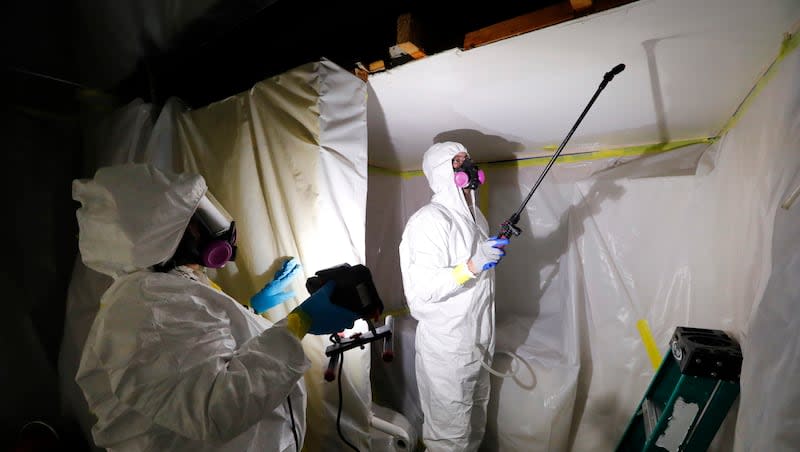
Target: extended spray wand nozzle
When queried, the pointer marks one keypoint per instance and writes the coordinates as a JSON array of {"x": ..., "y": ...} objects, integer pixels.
[
  {"x": 610, "y": 74},
  {"x": 509, "y": 227}
]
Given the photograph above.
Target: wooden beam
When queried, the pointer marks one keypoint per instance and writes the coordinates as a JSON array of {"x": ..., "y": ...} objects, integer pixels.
[
  {"x": 408, "y": 29},
  {"x": 525, "y": 23},
  {"x": 580, "y": 5},
  {"x": 409, "y": 37},
  {"x": 542, "y": 18},
  {"x": 410, "y": 49},
  {"x": 361, "y": 73},
  {"x": 376, "y": 66}
]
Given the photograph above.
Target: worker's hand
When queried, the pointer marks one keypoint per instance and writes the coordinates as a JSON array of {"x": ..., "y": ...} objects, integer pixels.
[
  {"x": 274, "y": 292},
  {"x": 487, "y": 255},
  {"x": 322, "y": 315}
]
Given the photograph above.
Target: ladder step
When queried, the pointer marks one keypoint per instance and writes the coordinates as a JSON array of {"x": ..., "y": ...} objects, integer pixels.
[
  {"x": 701, "y": 369},
  {"x": 651, "y": 413}
]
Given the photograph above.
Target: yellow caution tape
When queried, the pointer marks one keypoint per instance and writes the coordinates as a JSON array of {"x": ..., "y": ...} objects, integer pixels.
[
  {"x": 642, "y": 325},
  {"x": 396, "y": 312},
  {"x": 649, "y": 342},
  {"x": 483, "y": 197},
  {"x": 789, "y": 44},
  {"x": 629, "y": 151},
  {"x": 391, "y": 172}
]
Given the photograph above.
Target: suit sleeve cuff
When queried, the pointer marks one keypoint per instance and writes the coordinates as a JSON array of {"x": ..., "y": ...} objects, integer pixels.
[
  {"x": 298, "y": 323},
  {"x": 462, "y": 274}
]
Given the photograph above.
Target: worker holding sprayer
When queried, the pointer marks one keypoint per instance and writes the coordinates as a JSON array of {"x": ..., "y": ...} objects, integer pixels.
[
  {"x": 447, "y": 261},
  {"x": 172, "y": 362}
]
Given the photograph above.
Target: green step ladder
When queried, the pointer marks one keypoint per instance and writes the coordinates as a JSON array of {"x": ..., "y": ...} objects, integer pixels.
[{"x": 689, "y": 396}]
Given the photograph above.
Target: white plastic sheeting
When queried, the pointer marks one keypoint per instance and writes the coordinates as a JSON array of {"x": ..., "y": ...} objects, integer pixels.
[
  {"x": 533, "y": 322},
  {"x": 688, "y": 64},
  {"x": 769, "y": 415},
  {"x": 288, "y": 160},
  {"x": 669, "y": 240}
]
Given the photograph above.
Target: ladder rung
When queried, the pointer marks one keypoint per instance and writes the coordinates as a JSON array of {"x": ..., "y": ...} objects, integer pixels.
[{"x": 650, "y": 412}]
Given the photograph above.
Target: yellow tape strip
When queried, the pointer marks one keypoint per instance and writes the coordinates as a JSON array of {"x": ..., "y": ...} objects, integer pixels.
[
  {"x": 649, "y": 342},
  {"x": 789, "y": 44},
  {"x": 641, "y": 325},
  {"x": 391, "y": 172},
  {"x": 396, "y": 312},
  {"x": 483, "y": 197},
  {"x": 381, "y": 170},
  {"x": 630, "y": 151},
  {"x": 410, "y": 174}
]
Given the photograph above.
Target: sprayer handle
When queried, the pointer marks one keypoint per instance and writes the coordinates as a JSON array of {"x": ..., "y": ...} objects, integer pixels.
[
  {"x": 333, "y": 364},
  {"x": 507, "y": 230}
]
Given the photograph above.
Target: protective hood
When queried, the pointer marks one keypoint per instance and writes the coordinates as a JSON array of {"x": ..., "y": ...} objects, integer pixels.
[
  {"x": 437, "y": 164},
  {"x": 133, "y": 216}
]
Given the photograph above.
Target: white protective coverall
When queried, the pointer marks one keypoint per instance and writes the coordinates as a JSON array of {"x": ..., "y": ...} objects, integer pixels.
[
  {"x": 172, "y": 363},
  {"x": 455, "y": 321}
]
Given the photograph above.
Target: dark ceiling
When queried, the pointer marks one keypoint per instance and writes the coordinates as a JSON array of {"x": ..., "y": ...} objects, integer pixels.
[
  {"x": 223, "y": 53},
  {"x": 232, "y": 46}
]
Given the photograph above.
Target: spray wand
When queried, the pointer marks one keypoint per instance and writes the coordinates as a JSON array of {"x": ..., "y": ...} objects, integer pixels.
[{"x": 509, "y": 227}]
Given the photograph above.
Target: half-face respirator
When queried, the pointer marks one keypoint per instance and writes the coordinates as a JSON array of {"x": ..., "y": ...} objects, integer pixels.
[
  {"x": 468, "y": 175},
  {"x": 216, "y": 243}
]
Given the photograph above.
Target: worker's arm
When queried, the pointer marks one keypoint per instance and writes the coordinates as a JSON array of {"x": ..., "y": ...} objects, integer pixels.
[
  {"x": 430, "y": 273},
  {"x": 187, "y": 372}
]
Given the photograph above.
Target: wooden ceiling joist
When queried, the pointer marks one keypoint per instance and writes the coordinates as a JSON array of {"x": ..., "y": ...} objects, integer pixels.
[
  {"x": 408, "y": 37},
  {"x": 580, "y": 5},
  {"x": 545, "y": 17}
]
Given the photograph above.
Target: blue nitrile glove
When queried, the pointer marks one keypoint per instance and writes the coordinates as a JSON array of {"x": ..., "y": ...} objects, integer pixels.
[
  {"x": 273, "y": 293},
  {"x": 487, "y": 255},
  {"x": 322, "y": 316}
]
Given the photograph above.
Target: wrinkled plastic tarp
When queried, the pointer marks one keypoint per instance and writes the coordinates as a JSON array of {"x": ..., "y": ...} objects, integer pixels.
[
  {"x": 288, "y": 160},
  {"x": 678, "y": 239}
]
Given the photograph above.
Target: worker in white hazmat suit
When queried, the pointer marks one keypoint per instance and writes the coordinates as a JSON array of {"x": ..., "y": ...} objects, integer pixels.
[
  {"x": 171, "y": 362},
  {"x": 447, "y": 261}
]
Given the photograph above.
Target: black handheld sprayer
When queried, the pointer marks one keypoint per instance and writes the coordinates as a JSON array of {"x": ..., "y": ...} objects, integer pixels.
[{"x": 509, "y": 227}]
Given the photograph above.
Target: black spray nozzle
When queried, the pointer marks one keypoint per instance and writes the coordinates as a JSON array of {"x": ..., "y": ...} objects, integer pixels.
[{"x": 610, "y": 74}]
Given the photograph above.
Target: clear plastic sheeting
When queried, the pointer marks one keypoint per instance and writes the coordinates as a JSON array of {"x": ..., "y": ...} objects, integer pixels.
[
  {"x": 691, "y": 251},
  {"x": 528, "y": 89},
  {"x": 616, "y": 254},
  {"x": 769, "y": 415},
  {"x": 288, "y": 160},
  {"x": 769, "y": 378},
  {"x": 536, "y": 325}
]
